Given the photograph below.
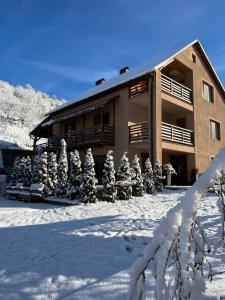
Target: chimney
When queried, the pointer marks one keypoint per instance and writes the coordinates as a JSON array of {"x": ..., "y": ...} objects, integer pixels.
[
  {"x": 100, "y": 81},
  {"x": 124, "y": 70}
]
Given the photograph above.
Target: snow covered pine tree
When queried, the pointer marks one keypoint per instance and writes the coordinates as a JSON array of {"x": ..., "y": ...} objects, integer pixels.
[
  {"x": 62, "y": 170},
  {"x": 36, "y": 166},
  {"x": 124, "y": 190},
  {"x": 25, "y": 170},
  {"x": 73, "y": 191},
  {"x": 149, "y": 177},
  {"x": 51, "y": 182},
  {"x": 43, "y": 168},
  {"x": 88, "y": 186},
  {"x": 15, "y": 176},
  {"x": 136, "y": 177},
  {"x": 158, "y": 178},
  {"x": 108, "y": 179}
]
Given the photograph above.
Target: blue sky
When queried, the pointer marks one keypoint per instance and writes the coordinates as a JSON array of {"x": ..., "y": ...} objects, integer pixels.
[{"x": 62, "y": 46}]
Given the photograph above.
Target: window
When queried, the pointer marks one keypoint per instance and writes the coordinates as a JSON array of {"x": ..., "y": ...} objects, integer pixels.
[
  {"x": 138, "y": 88},
  {"x": 97, "y": 120},
  {"x": 214, "y": 130},
  {"x": 105, "y": 119},
  {"x": 207, "y": 92},
  {"x": 194, "y": 58}
]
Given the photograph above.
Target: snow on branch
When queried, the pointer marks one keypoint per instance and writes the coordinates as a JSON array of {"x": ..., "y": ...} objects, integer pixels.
[{"x": 179, "y": 246}]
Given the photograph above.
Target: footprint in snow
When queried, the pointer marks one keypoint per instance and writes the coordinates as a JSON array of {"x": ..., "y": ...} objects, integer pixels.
[{"x": 128, "y": 249}]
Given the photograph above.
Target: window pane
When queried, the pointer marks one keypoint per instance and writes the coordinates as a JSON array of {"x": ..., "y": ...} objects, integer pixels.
[
  {"x": 215, "y": 130},
  {"x": 207, "y": 92}
]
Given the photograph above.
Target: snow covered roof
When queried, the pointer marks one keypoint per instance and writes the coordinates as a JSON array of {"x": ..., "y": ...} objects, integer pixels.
[
  {"x": 4, "y": 145},
  {"x": 135, "y": 73}
]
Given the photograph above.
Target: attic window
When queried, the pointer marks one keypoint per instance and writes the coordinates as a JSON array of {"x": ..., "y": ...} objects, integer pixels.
[
  {"x": 194, "y": 58},
  {"x": 138, "y": 88}
]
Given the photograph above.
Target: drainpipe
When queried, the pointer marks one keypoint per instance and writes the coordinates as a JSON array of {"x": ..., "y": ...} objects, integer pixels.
[{"x": 152, "y": 118}]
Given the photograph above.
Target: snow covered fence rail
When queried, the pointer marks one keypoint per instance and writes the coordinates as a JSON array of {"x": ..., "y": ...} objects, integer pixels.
[{"x": 180, "y": 241}]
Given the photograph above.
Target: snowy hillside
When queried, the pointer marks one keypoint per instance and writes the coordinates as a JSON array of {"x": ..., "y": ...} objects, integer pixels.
[{"x": 21, "y": 108}]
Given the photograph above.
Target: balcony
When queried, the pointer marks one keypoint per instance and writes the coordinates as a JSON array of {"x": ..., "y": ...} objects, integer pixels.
[
  {"x": 177, "y": 134},
  {"x": 176, "y": 89},
  {"x": 93, "y": 136},
  {"x": 139, "y": 133}
]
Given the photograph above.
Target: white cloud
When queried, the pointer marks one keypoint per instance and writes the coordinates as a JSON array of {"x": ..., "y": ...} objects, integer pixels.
[{"x": 72, "y": 73}]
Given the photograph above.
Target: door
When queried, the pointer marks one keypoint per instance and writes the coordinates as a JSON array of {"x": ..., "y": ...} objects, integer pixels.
[{"x": 179, "y": 162}]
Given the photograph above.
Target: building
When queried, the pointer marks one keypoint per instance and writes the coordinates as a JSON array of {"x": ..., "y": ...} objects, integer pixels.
[
  {"x": 173, "y": 111},
  {"x": 8, "y": 152}
]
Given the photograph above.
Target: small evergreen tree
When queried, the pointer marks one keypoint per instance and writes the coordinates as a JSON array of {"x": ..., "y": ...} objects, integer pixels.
[
  {"x": 158, "y": 178},
  {"x": 136, "y": 177},
  {"x": 108, "y": 179},
  {"x": 25, "y": 170},
  {"x": 88, "y": 186},
  {"x": 43, "y": 168},
  {"x": 16, "y": 176},
  {"x": 51, "y": 182},
  {"x": 36, "y": 166},
  {"x": 149, "y": 177},
  {"x": 62, "y": 170},
  {"x": 124, "y": 191},
  {"x": 73, "y": 191}
]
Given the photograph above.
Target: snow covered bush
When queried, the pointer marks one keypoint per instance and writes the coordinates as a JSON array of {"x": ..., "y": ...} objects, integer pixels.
[
  {"x": 73, "y": 191},
  {"x": 88, "y": 186},
  {"x": 51, "y": 182},
  {"x": 178, "y": 254},
  {"x": 124, "y": 190},
  {"x": 149, "y": 177},
  {"x": 108, "y": 179},
  {"x": 136, "y": 177},
  {"x": 62, "y": 179},
  {"x": 158, "y": 177},
  {"x": 168, "y": 171}
]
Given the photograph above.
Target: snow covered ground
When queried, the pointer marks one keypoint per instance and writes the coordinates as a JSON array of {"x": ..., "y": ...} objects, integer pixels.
[{"x": 83, "y": 251}]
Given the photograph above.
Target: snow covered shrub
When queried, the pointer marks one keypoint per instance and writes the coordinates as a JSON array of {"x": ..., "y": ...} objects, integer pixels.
[
  {"x": 88, "y": 186},
  {"x": 179, "y": 254},
  {"x": 108, "y": 179},
  {"x": 158, "y": 178},
  {"x": 73, "y": 191},
  {"x": 149, "y": 177},
  {"x": 51, "y": 182},
  {"x": 168, "y": 170},
  {"x": 124, "y": 190},
  {"x": 136, "y": 177},
  {"x": 16, "y": 176},
  {"x": 62, "y": 179}
]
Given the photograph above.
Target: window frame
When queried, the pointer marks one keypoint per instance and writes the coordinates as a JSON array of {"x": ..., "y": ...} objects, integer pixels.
[
  {"x": 211, "y": 90},
  {"x": 217, "y": 130}
]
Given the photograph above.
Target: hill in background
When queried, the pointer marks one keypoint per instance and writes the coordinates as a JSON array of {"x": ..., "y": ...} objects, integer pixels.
[{"x": 21, "y": 109}]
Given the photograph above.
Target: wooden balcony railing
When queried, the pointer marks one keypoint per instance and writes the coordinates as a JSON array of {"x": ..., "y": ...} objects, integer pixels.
[
  {"x": 177, "y": 134},
  {"x": 91, "y": 136},
  {"x": 176, "y": 89},
  {"x": 139, "y": 133}
]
